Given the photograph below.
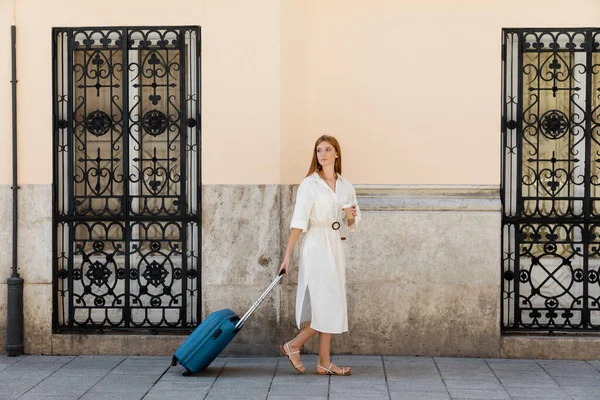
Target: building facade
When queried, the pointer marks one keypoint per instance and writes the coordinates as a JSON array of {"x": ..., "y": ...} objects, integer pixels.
[{"x": 160, "y": 147}]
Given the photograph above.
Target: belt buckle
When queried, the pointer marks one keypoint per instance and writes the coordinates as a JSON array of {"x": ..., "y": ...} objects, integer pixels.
[{"x": 335, "y": 226}]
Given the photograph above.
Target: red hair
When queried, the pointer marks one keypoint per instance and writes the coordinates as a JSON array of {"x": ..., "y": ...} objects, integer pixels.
[{"x": 315, "y": 166}]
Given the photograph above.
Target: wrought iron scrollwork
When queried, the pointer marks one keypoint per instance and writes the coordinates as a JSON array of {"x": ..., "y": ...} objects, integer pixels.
[
  {"x": 98, "y": 123},
  {"x": 154, "y": 122},
  {"x": 550, "y": 166},
  {"x": 126, "y": 173},
  {"x": 554, "y": 124}
]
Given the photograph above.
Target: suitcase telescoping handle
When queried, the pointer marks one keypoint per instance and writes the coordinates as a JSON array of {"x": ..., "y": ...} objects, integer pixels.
[{"x": 240, "y": 323}]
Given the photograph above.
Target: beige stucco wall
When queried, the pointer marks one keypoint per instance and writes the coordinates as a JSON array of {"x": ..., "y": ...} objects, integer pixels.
[
  {"x": 411, "y": 89},
  {"x": 5, "y": 93},
  {"x": 240, "y": 70}
]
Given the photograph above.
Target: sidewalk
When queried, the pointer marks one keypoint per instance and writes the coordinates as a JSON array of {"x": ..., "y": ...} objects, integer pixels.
[{"x": 374, "y": 377}]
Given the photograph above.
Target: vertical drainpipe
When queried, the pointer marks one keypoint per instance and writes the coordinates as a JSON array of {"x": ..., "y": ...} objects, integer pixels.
[{"x": 14, "y": 326}]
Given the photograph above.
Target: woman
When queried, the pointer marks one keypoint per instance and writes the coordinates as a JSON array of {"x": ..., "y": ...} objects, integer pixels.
[{"x": 324, "y": 201}]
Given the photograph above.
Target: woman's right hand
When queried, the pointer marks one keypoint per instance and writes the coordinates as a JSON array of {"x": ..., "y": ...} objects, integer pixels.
[{"x": 285, "y": 265}]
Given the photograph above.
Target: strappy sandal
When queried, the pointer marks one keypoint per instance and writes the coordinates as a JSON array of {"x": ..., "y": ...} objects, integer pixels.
[
  {"x": 288, "y": 354},
  {"x": 328, "y": 371}
]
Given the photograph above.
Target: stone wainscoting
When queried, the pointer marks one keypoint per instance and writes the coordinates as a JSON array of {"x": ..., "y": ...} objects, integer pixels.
[{"x": 422, "y": 272}]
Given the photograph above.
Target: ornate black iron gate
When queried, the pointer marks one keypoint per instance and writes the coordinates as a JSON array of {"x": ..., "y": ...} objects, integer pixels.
[
  {"x": 551, "y": 179},
  {"x": 126, "y": 193}
]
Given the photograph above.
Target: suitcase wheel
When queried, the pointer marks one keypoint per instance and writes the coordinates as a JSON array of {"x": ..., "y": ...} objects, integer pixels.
[
  {"x": 174, "y": 361},
  {"x": 186, "y": 373}
]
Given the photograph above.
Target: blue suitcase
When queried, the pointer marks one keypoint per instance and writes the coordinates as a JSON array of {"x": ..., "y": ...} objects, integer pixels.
[{"x": 214, "y": 334}]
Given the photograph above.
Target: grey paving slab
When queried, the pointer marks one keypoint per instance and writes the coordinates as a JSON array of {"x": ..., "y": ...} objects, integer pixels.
[
  {"x": 18, "y": 381},
  {"x": 151, "y": 358},
  {"x": 581, "y": 391},
  {"x": 229, "y": 371},
  {"x": 355, "y": 361},
  {"x": 521, "y": 369},
  {"x": 411, "y": 385},
  {"x": 403, "y": 372},
  {"x": 69, "y": 380},
  {"x": 140, "y": 369},
  {"x": 6, "y": 362},
  {"x": 510, "y": 360},
  {"x": 36, "y": 396},
  {"x": 112, "y": 388},
  {"x": 479, "y": 394},
  {"x": 523, "y": 382},
  {"x": 48, "y": 359},
  {"x": 464, "y": 374},
  {"x": 123, "y": 379},
  {"x": 464, "y": 367},
  {"x": 538, "y": 393},
  {"x": 290, "y": 389},
  {"x": 156, "y": 394},
  {"x": 475, "y": 384},
  {"x": 91, "y": 373},
  {"x": 374, "y": 377},
  {"x": 361, "y": 396},
  {"x": 569, "y": 368},
  {"x": 349, "y": 388},
  {"x": 404, "y": 360},
  {"x": 111, "y": 396},
  {"x": 249, "y": 366},
  {"x": 34, "y": 366},
  {"x": 407, "y": 395},
  {"x": 301, "y": 397},
  {"x": 541, "y": 374},
  {"x": 232, "y": 383},
  {"x": 587, "y": 372},
  {"x": 64, "y": 386},
  {"x": 10, "y": 376},
  {"x": 85, "y": 363},
  {"x": 357, "y": 379},
  {"x": 422, "y": 379},
  {"x": 67, "y": 392},
  {"x": 237, "y": 393},
  {"x": 12, "y": 392},
  {"x": 578, "y": 381},
  {"x": 411, "y": 367},
  {"x": 472, "y": 363},
  {"x": 545, "y": 397},
  {"x": 176, "y": 373},
  {"x": 192, "y": 384},
  {"x": 284, "y": 375},
  {"x": 251, "y": 360},
  {"x": 508, "y": 363}
]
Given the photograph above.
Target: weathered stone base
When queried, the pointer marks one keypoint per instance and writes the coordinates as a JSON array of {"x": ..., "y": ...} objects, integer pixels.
[
  {"x": 140, "y": 345},
  {"x": 563, "y": 347},
  {"x": 422, "y": 275}
]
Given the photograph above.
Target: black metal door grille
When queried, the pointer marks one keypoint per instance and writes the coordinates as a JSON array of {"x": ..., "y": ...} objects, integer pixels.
[
  {"x": 551, "y": 179},
  {"x": 126, "y": 193}
]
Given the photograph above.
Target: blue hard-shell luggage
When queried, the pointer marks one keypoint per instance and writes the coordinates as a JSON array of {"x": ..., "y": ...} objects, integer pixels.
[{"x": 214, "y": 333}]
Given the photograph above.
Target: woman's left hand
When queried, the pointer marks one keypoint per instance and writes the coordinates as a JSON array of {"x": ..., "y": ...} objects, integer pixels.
[{"x": 350, "y": 212}]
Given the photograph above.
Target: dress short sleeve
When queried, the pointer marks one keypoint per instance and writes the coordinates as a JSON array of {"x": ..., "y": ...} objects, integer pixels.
[{"x": 303, "y": 207}]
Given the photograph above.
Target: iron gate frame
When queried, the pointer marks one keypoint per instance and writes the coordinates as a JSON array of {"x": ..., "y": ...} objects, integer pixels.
[
  {"x": 511, "y": 184},
  {"x": 185, "y": 217}
]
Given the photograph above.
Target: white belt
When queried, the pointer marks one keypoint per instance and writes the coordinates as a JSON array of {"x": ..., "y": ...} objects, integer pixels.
[{"x": 335, "y": 225}]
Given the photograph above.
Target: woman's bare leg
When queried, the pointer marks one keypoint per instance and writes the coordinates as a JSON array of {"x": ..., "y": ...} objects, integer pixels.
[
  {"x": 324, "y": 357},
  {"x": 296, "y": 343},
  {"x": 306, "y": 333}
]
